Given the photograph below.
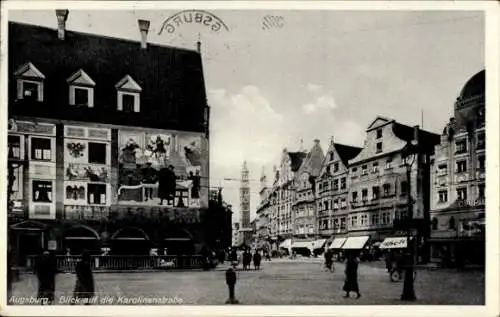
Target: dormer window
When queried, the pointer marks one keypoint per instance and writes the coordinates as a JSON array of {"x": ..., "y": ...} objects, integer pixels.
[
  {"x": 128, "y": 95},
  {"x": 29, "y": 82},
  {"x": 81, "y": 89}
]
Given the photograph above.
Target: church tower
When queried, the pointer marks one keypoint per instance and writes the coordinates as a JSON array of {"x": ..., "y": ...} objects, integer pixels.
[{"x": 245, "y": 205}]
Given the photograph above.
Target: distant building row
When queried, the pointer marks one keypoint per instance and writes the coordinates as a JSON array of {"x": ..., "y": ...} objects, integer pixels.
[{"x": 354, "y": 191}]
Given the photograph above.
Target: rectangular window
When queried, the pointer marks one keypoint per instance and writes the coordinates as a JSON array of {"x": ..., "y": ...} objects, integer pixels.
[
  {"x": 335, "y": 167},
  {"x": 379, "y": 147},
  {"x": 342, "y": 223},
  {"x": 336, "y": 184},
  {"x": 354, "y": 221},
  {"x": 14, "y": 147},
  {"x": 379, "y": 133},
  {"x": 343, "y": 203},
  {"x": 41, "y": 149},
  {"x": 96, "y": 194},
  {"x": 354, "y": 196},
  {"x": 328, "y": 170},
  {"x": 42, "y": 191},
  {"x": 128, "y": 102},
  {"x": 336, "y": 223},
  {"x": 343, "y": 183},
  {"x": 30, "y": 90},
  {"x": 81, "y": 97},
  {"x": 364, "y": 170},
  {"x": 461, "y": 146},
  {"x": 374, "y": 220},
  {"x": 364, "y": 220},
  {"x": 404, "y": 188},
  {"x": 375, "y": 167},
  {"x": 375, "y": 193},
  {"x": 388, "y": 163},
  {"x": 481, "y": 144},
  {"x": 354, "y": 170},
  {"x": 461, "y": 166},
  {"x": 97, "y": 153},
  {"x": 443, "y": 196},
  {"x": 387, "y": 188},
  {"x": 364, "y": 194},
  {"x": 336, "y": 204},
  {"x": 462, "y": 193},
  {"x": 480, "y": 191},
  {"x": 481, "y": 163}
]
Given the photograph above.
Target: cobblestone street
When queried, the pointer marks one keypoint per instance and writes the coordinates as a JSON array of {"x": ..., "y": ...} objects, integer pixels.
[{"x": 282, "y": 282}]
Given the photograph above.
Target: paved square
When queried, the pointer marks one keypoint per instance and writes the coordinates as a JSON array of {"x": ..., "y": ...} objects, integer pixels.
[{"x": 284, "y": 282}]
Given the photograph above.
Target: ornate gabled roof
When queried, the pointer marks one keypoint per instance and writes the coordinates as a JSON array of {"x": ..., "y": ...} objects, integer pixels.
[
  {"x": 313, "y": 161},
  {"x": 296, "y": 158}
]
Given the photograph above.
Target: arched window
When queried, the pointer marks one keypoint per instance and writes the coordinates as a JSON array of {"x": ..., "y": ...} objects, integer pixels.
[
  {"x": 434, "y": 223},
  {"x": 451, "y": 223}
]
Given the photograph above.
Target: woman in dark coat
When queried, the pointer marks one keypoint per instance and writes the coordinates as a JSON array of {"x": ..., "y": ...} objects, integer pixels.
[
  {"x": 84, "y": 287},
  {"x": 256, "y": 260},
  {"x": 46, "y": 270},
  {"x": 351, "y": 276}
]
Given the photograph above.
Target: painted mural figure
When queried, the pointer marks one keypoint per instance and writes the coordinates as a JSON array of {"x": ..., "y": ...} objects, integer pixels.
[
  {"x": 167, "y": 185},
  {"x": 195, "y": 189},
  {"x": 149, "y": 177}
]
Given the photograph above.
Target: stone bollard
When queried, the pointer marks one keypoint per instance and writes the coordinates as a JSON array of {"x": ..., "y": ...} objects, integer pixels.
[{"x": 231, "y": 282}]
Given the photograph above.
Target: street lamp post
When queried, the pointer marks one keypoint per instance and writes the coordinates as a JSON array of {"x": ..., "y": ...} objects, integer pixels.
[{"x": 409, "y": 155}]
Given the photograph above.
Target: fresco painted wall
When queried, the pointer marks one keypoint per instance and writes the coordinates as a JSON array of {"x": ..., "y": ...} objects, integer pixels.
[{"x": 166, "y": 169}]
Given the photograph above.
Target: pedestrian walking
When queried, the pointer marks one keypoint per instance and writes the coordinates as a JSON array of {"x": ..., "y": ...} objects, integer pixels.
[
  {"x": 84, "y": 287},
  {"x": 351, "y": 276},
  {"x": 46, "y": 270},
  {"x": 247, "y": 259},
  {"x": 256, "y": 260},
  {"x": 329, "y": 260}
]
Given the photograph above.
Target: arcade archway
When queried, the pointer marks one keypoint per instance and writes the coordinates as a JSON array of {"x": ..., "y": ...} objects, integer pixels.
[
  {"x": 178, "y": 241},
  {"x": 79, "y": 238},
  {"x": 130, "y": 240}
]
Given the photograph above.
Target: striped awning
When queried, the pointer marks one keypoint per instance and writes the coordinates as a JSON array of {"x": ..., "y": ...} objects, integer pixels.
[
  {"x": 337, "y": 243},
  {"x": 319, "y": 243},
  {"x": 286, "y": 244},
  {"x": 355, "y": 243}
]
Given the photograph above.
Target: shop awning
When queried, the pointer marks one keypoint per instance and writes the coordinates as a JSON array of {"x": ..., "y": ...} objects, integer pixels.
[
  {"x": 286, "y": 244},
  {"x": 394, "y": 243},
  {"x": 355, "y": 243},
  {"x": 337, "y": 243},
  {"x": 318, "y": 244},
  {"x": 302, "y": 244}
]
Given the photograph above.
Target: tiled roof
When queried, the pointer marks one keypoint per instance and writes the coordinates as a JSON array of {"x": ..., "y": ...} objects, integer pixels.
[
  {"x": 296, "y": 158},
  {"x": 173, "y": 90},
  {"x": 347, "y": 152},
  {"x": 427, "y": 140},
  {"x": 314, "y": 161}
]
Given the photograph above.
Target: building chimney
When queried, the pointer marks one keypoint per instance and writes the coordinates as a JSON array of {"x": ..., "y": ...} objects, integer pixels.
[
  {"x": 416, "y": 133},
  {"x": 62, "y": 16},
  {"x": 144, "y": 29}
]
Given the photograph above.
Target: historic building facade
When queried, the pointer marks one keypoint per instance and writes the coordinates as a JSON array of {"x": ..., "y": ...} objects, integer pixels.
[
  {"x": 108, "y": 142},
  {"x": 332, "y": 191},
  {"x": 458, "y": 180},
  {"x": 304, "y": 204},
  {"x": 378, "y": 190}
]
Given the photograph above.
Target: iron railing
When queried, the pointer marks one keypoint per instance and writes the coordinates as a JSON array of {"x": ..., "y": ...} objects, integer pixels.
[{"x": 67, "y": 263}]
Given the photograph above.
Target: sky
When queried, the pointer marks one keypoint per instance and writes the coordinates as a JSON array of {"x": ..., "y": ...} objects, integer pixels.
[{"x": 316, "y": 75}]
